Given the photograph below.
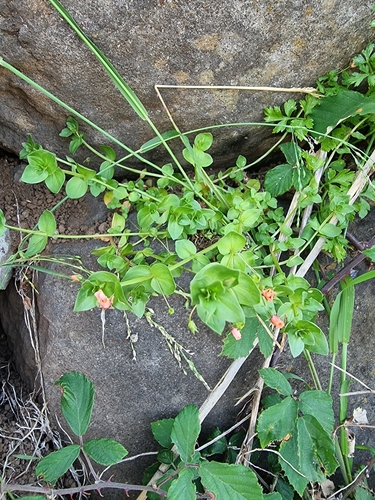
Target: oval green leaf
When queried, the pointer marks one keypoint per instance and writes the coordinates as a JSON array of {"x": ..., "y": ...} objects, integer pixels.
[
  {"x": 47, "y": 223},
  {"x": 76, "y": 187}
]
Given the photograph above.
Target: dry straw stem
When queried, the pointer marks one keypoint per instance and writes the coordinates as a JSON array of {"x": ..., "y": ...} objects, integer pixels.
[
  {"x": 304, "y": 90},
  {"x": 359, "y": 183}
]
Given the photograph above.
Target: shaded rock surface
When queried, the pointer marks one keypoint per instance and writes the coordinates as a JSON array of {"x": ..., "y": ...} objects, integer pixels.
[{"x": 169, "y": 42}]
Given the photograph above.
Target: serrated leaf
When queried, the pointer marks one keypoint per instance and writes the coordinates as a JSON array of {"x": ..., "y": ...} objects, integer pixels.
[
  {"x": 185, "y": 432},
  {"x": 235, "y": 349},
  {"x": 182, "y": 488},
  {"x": 279, "y": 180},
  {"x": 276, "y": 380},
  {"x": 276, "y": 422},
  {"x": 77, "y": 401},
  {"x": 334, "y": 109},
  {"x": 105, "y": 451},
  {"x": 47, "y": 223},
  {"x": 161, "y": 429},
  {"x": 292, "y": 152},
  {"x": 54, "y": 465},
  {"x": 310, "y": 451},
  {"x": 234, "y": 482},
  {"x": 319, "y": 405}
]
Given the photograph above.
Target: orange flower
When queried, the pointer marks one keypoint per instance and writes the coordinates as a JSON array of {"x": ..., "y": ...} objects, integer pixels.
[
  {"x": 268, "y": 294},
  {"x": 75, "y": 277},
  {"x": 277, "y": 321},
  {"x": 236, "y": 333},
  {"x": 103, "y": 301}
]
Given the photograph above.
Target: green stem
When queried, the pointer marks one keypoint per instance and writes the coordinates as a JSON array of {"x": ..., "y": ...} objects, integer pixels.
[{"x": 312, "y": 369}]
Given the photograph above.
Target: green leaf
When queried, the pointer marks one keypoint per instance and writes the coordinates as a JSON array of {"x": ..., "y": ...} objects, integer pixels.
[
  {"x": 313, "y": 337},
  {"x": 276, "y": 380},
  {"x": 319, "y": 405},
  {"x": 232, "y": 242},
  {"x": 185, "y": 432},
  {"x": 33, "y": 497},
  {"x": 156, "y": 141},
  {"x": 37, "y": 244},
  {"x": 246, "y": 290},
  {"x": 105, "y": 451},
  {"x": 234, "y": 482},
  {"x": 310, "y": 450},
  {"x": 296, "y": 344},
  {"x": 235, "y": 349},
  {"x": 273, "y": 496},
  {"x": 279, "y": 180},
  {"x": 112, "y": 72},
  {"x": 47, "y": 223},
  {"x": 54, "y": 465},
  {"x": 55, "y": 181},
  {"x": 276, "y": 422},
  {"x": 185, "y": 249},
  {"x": 292, "y": 153},
  {"x": 182, "y": 488},
  {"x": 332, "y": 110},
  {"x": 329, "y": 231},
  {"x": 41, "y": 164},
  {"x": 162, "y": 429},
  {"x": 77, "y": 401},
  {"x": 203, "y": 141},
  {"x": 2, "y": 222},
  {"x": 76, "y": 187},
  {"x": 162, "y": 281}
]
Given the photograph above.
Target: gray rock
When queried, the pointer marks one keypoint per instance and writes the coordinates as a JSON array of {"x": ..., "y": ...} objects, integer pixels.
[
  {"x": 168, "y": 42},
  {"x": 130, "y": 394},
  {"x": 5, "y": 253}
]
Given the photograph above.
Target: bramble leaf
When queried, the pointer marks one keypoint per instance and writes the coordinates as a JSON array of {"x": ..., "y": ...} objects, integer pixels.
[
  {"x": 54, "y": 465},
  {"x": 77, "y": 401},
  {"x": 230, "y": 481},
  {"x": 276, "y": 380},
  {"x": 185, "y": 432},
  {"x": 161, "y": 429},
  {"x": 105, "y": 451},
  {"x": 182, "y": 488},
  {"x": 276, "y": 422},
  {"x": 279, "y": 180}
]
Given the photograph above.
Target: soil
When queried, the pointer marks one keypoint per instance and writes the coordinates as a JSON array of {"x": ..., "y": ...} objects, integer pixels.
[{"x": 22, "y": 205}]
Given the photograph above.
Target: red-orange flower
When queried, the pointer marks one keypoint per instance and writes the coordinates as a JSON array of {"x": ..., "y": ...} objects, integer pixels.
[
  {"x": 103, "y": 301},
  {"x": 236, "y": 333},
  {"x": 268, "y": 294},
  {"x": 277, "y": 321},
  {"x": 75, "y": 277}
]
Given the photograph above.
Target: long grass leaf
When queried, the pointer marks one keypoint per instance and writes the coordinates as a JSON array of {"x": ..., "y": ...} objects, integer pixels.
[{"x": 117, "y": 79}]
